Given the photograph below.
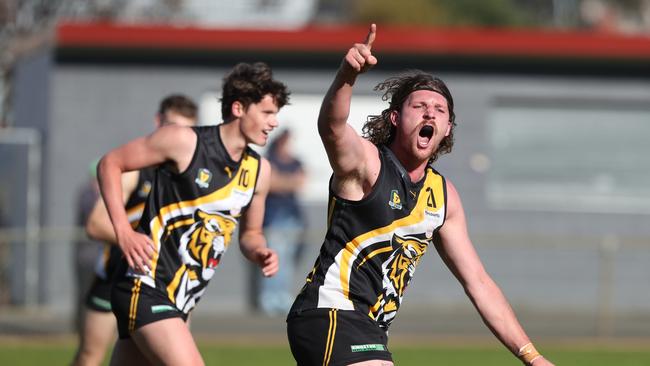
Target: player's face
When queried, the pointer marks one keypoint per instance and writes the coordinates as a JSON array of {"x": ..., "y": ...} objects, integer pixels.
[
  {"x": 259, "y": 119},
  {"x": 421, "y": 124}
]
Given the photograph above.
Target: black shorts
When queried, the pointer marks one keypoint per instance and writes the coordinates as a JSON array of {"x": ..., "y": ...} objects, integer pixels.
[
  {"x": 99, "y": 295},
  {"x": 335, "y": 337},
  {"x": 136, "y": 305}
]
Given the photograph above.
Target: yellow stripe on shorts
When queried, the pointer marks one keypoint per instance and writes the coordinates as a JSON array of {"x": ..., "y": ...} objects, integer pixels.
[
  {"x": 331, "y": 333},
  {"x": 133, "y": 309}
]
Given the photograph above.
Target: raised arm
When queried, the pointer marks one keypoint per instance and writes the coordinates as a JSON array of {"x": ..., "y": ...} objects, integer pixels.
[
  {"x": 170, "y": 144},
  {"x": 99, "y": 225},
  {"x": 458, "y": 253},
  {"x": 349, "y": 154},
  {"x": 252, "y": 242}
]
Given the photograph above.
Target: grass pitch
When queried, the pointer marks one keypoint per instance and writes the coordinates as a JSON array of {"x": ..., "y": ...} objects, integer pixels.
[{"x": 27, "y": 352}]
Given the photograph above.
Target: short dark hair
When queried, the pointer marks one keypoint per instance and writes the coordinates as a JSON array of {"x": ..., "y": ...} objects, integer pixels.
[
  {"x": 180, "y": 104},
  {"x": 248, "y": 84},
  {"x": 378, "y": 128}
]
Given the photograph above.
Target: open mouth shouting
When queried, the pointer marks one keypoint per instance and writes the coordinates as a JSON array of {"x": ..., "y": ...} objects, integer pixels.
[{"x": 425, "y": 135}]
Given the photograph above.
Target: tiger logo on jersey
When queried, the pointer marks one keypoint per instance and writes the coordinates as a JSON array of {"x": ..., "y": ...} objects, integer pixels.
[
  {"x": 210, "y": 238},
  {"x": 202, "y": 247},
  {"x": 398, "y": 271}
]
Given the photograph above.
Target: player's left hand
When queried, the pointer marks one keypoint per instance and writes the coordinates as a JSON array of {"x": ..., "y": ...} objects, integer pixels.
[{"x": 268, "y": 261}]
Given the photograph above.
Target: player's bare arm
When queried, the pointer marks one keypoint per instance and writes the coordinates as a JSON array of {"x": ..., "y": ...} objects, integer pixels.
[
  {"x": 252, "y": 242},
  {"x": 171, "y": 144},
  {"x": 458, "y": 253},
  {"x": 99, "y": 225},
  {"x": 354, "y": 160}
]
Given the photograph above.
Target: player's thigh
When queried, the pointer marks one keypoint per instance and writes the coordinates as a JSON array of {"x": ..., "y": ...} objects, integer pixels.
[
  {"x": 372, "y": 363},
  {"x": 127, "y": 353},
  {"x": 168, "y": 342},
  {"x": 99, "y": 329},
  {"x": 96, "y": 337}
]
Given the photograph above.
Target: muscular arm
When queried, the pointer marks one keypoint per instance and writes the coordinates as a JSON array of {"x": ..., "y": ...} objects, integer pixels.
[
  {"x": 354, "y": 160},
  {"x": 251, "y": 236},
  {"x": 459, "y": 255},
  {"x": 171, "y": 144},
  {"x": 99, "y": 225}
]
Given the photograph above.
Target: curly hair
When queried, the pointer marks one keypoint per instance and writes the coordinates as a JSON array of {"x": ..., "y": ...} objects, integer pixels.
[
  {"x": 248, "y": 84},
  {"x": 378, "y": 128}
]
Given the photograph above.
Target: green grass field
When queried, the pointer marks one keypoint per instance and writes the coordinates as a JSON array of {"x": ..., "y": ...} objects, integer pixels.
[{"x": 24, "y": 353}]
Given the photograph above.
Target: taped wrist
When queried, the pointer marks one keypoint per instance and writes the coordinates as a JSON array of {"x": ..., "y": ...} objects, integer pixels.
[{"x": 527, "y": 354}]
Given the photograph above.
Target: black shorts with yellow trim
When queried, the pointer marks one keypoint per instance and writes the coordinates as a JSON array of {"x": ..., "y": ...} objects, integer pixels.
[
  {"x": 136, "y": 305},
  {"x": 331, "y": 337},
  {"x": 99, "y": 296}
]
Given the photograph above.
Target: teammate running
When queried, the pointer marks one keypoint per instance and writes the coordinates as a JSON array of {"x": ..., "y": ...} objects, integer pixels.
[
  {"x": 98, "y": 325},
  {"x": 209, "y": 179}
]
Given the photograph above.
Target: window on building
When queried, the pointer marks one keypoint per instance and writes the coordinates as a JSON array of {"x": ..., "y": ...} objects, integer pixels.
[{"x": 583, "y": 156}]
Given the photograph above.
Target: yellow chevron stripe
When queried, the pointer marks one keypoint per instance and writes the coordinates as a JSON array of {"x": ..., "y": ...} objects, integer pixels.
[
  {"x": 416, "y": 215},
  {"x": 171, "y": 288},
  {"x": 374, "y": 253},
  {"x": 135, "y": 213},
  {"x": 248, "y": 162},
  {"x": 179, "y": 223}
]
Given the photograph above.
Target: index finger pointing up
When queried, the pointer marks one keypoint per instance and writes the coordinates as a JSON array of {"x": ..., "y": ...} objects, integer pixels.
[{"x": 370, "y": 38}]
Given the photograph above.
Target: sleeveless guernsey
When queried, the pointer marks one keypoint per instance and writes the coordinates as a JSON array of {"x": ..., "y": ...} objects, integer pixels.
[
  {"x": 373, "y": 246},
  {"x": 191, "y": 217}
]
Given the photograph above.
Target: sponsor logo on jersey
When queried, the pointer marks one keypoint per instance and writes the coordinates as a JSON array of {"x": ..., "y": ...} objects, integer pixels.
[
  {"x": 203, "y": 178},
  {"x": 395, "y": 201},
  {"x": 431, "y": 218},
  {"x": 428, "y": 213}
]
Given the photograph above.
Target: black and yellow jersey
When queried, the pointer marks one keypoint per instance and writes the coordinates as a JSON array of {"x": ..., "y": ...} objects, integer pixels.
[
  {"x": 373, "y": 246},
  {"x": 109, "y": 258},
  {"x": 191, "y": 217}
]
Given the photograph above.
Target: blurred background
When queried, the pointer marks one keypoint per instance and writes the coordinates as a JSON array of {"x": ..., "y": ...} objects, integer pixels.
[{"x": 551, "y": 156}]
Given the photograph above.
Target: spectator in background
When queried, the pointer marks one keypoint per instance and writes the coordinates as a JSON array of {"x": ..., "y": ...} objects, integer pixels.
[
  {"x": 284, "y": 225},
  {"x": 85, "y": 248}
]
